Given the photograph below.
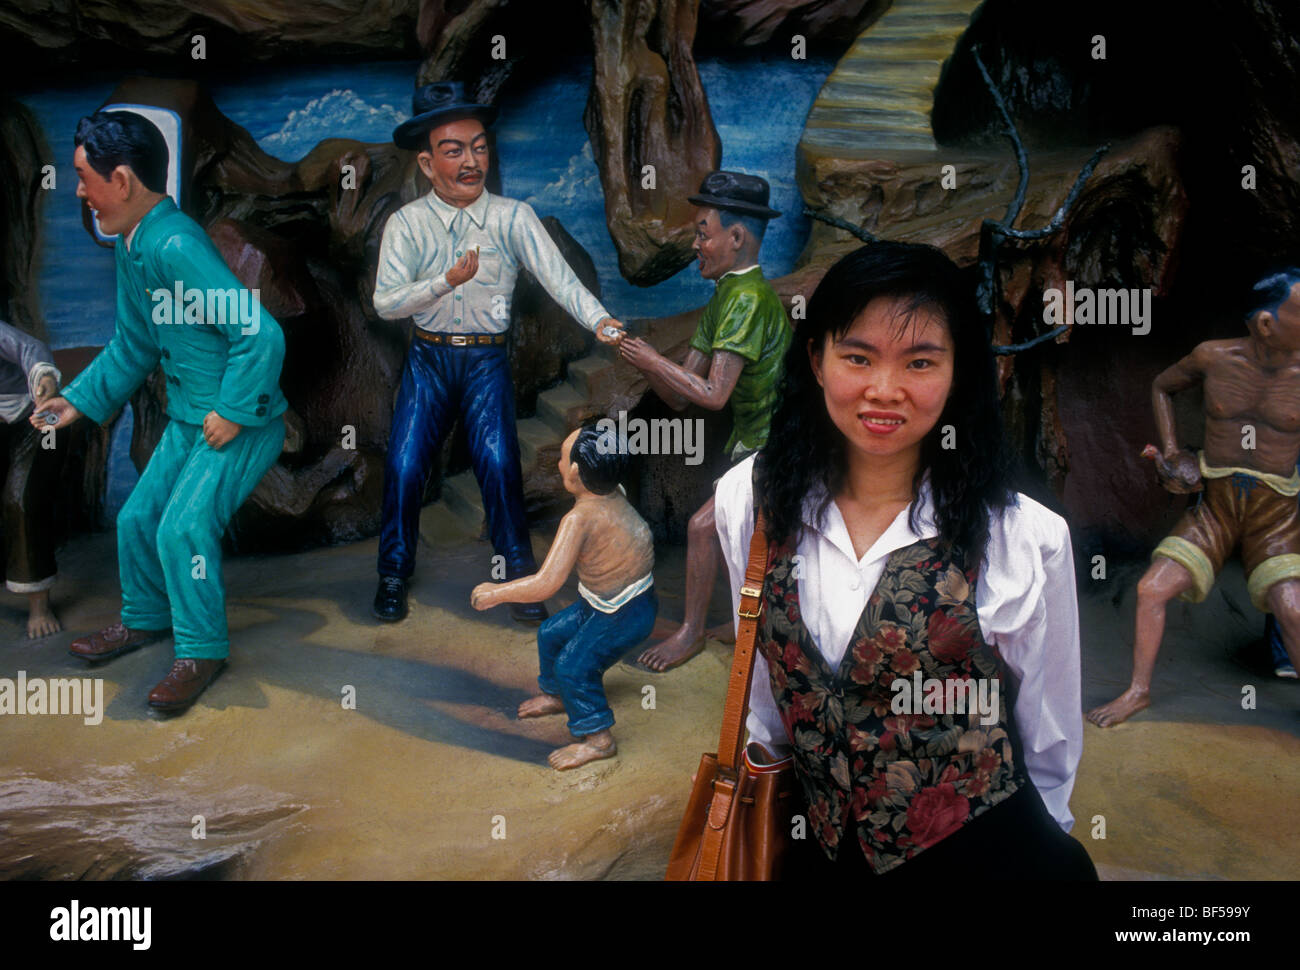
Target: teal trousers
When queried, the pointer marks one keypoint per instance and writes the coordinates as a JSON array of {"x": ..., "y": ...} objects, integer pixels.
[{"x": 169, "y": 532}]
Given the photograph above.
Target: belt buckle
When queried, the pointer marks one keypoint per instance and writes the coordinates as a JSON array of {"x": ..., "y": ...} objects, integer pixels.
[
  {"x": 750, "y": 591},
  {"x": 458, "y": 340}
]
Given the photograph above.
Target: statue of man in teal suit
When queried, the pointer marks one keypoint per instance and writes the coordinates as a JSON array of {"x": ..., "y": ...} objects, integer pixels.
[{"x": 178, "y": 305}]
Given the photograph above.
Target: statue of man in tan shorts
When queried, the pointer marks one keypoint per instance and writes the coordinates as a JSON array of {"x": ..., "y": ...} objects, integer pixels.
[{"x": 1246, "y": 473}]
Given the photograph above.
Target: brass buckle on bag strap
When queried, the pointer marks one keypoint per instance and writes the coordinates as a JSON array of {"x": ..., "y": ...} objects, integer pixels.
[{"x": 752, "y": 592}]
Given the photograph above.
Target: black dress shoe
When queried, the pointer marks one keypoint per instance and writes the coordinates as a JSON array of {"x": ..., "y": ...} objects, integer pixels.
[
  {"x": 390, "y": 599},
  {"x": 529, "y": 612}
]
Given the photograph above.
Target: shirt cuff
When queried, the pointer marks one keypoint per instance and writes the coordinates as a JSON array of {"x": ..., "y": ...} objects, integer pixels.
[
  {"x": 87, "y": 407},
  {"x": 39, "y": 371},
  {"x": 1057, "y": 802},
  {"x": 595, "y": 320},
  {"x": 254, "y": 417},
  {"x": 758, "y": 731},
  {"x": 767, "y": 760},
  {"x": 750, "y": 354},
  {"x": 440, "y": 287}
]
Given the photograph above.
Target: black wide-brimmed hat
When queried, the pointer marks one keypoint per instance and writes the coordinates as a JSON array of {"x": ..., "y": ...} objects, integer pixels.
[
  {"x": 735, "y": 192},
  {"x": 436, "y": 104}
]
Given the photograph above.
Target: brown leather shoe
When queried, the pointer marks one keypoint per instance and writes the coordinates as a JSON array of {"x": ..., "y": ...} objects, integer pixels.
[
  {"x": 113, "y": 641},
  {"x": 189, "y": 677}
]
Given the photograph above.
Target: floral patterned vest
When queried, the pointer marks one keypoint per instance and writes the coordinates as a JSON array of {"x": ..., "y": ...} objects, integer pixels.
[{"x": 904, "y": 781}]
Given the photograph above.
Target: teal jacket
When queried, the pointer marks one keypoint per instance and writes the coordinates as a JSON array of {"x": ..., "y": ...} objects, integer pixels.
[{"x": 219, "y": 350}]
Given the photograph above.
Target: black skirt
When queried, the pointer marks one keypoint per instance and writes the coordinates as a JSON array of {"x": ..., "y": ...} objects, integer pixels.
[{"x": 1015, "y": 839}]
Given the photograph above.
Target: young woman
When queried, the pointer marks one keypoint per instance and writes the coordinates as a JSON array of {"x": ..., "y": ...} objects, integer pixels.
[{"x": 918, "y": 652}]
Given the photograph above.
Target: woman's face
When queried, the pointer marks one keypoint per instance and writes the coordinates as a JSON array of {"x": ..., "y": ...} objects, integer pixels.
[{"x": 888, "y": 377}]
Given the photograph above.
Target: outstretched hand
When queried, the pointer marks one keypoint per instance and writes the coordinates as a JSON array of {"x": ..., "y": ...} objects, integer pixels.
[
  {"x": 57, "y": 406},
  {"x": 637, "y": 352},
  {"x": 483, "y": 596},
  {"x": 46, "y": 387},
  {"x": 614, "y": 339}
]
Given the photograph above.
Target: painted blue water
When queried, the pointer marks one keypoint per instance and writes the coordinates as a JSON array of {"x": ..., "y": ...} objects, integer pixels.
[{"x": 759, "y": 104}]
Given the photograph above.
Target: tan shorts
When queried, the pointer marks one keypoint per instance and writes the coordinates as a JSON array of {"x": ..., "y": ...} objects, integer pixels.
[{"x": 1238, "y": 510}]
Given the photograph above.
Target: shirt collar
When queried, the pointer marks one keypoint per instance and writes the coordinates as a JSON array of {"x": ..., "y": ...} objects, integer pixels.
[
  {"x": 898, "y": 535},
  {"x": 738, "y": 272},
  {"x": 477, "y": 210},
  {"x": 160, "y": 209}
]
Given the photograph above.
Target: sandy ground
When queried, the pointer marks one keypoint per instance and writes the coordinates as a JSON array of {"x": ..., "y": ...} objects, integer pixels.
[{"x": 432, "y": 776}]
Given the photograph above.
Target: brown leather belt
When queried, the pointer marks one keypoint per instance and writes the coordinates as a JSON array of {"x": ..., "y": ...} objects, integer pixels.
[{"x": 462, "y": 339}]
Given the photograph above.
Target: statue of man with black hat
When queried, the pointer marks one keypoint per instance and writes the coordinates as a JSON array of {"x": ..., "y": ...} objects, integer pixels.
[
  {"x": 449, "y": 261},
  {"x": 735, "y": 356}
]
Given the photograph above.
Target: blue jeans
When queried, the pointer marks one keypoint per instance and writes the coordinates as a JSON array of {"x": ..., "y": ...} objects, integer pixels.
[
  {"x": 438, "y": 384},
  {"x": 577, "y": 645}
]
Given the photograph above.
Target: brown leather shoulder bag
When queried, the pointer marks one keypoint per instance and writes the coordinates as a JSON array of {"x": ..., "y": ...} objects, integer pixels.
[{"x": 737, "y": 822}]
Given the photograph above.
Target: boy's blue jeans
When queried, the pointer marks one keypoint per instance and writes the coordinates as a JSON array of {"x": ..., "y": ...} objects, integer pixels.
[{"x": 577, "y": 645}]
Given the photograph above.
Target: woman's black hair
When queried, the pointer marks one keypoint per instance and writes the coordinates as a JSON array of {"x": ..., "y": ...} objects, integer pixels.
[
  {"x": 968, "y": 481},
  {"x": 601, "y": 456},
  {"x": 113, "y": 138}
]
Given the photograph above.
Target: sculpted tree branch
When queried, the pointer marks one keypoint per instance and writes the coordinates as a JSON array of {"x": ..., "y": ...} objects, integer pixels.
[
  {"x": 994, "y": 232},
  {"x": 838, "y": 223}
]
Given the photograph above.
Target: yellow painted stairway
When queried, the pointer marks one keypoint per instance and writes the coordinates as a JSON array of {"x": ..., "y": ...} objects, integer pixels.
[{"x": 879, "y": 97}]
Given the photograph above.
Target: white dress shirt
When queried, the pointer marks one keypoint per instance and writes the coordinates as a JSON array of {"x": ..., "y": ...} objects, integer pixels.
[
  {"x": 1025, "y": 601},
  {"x": 425, "y": 238}
]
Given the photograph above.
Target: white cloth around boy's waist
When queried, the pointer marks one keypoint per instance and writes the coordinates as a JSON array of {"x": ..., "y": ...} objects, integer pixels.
[{"x": 613, "y": 604}]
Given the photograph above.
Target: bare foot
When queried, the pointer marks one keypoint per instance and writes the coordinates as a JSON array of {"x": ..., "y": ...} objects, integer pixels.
[
  {"x": 676, "y": 650},
  {"x": 41, "y": 621},
  {"x": 591, "y": 748},
  {"x": 1121, "y": 708},
  {"x": 540, "y": 706}
]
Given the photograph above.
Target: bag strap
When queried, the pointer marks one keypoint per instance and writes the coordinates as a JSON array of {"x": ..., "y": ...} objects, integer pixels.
[{"x": 731, "y": 740}]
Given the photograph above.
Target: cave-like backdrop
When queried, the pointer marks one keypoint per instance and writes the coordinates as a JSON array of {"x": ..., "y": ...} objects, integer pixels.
[{"x": 872, "y": 114}]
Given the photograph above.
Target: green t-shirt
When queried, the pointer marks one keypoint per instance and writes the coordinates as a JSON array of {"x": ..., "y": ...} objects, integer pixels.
[{"x": 745, "y": 316}]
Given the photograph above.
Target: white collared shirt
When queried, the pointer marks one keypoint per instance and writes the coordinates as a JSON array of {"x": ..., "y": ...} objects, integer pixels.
[
  {"x": 425, "y": 238},
  {"x": 1025, "y": 600}
]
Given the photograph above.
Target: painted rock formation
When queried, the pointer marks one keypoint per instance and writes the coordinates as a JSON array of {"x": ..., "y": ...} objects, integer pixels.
[
  {"x": 648, "y": 108},
  {"x": 22, "y": 152},
  {"x": 72, "y": 33}
]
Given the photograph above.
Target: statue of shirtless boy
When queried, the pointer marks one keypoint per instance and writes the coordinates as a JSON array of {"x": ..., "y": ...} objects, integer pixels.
[
  {"x": 611, "y": 546},
  {"x": 1247, "y": 471}
]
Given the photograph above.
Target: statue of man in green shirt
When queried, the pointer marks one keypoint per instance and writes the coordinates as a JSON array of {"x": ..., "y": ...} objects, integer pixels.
[{"x": 735, "y": 356}]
